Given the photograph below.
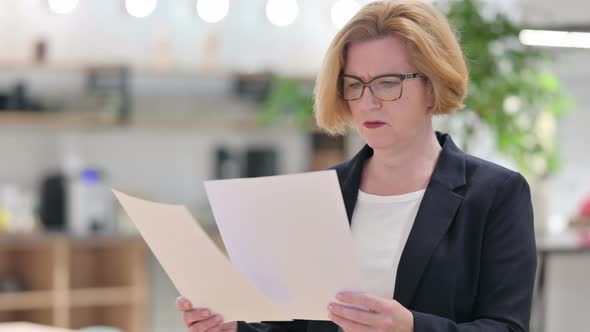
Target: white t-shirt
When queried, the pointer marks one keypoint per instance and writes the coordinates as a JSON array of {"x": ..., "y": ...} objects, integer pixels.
[{"x": 380, "y": 228}]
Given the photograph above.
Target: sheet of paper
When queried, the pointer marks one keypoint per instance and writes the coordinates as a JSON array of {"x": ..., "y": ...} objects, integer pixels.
[
  {"x": 198, "y": 269},
  {"x": 28, "y": 327},
  {"x": 289, "y": 235}
]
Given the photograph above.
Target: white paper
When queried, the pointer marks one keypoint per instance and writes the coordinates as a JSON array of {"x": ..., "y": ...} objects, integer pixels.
[
  {"x": 289, "y": 235},
  {"x": 195, "y": 265}
]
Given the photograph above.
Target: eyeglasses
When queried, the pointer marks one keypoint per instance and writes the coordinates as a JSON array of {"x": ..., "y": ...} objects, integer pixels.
[{"x": 388, "y": 87}]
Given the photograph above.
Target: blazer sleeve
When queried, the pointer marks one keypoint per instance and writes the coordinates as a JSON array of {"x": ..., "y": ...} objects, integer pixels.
[
  {"x": 508, "y": 266},
  {"x": 291, "y": 326}
]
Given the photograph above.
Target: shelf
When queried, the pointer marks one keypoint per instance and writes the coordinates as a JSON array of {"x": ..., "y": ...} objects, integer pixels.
[
  {"x": 37, "y": 316},
  {"x": 199, "y": 120},
  {"x": 31, "y": 267},
  {"x": 57, "y": 119},
  {"x": 27, "y": 241},
  {"x": 100, "y": 296},
  {"x": 75, "y": 281},
  {"x": 26, "y": 300},
  {"x": 145, "y": 70},
  {"x": 119, "y": 316},
  {"x": 105, "y": 264},
  {"x": 24, "y": 327}
]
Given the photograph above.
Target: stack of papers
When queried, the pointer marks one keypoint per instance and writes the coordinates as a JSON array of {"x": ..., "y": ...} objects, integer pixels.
[{"x": 287, "y": 236}]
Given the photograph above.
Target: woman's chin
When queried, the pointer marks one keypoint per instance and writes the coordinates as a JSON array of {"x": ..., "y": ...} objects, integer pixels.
[
  {"x": 378, "y": 142},
  {"x": 377, "y": 138}
]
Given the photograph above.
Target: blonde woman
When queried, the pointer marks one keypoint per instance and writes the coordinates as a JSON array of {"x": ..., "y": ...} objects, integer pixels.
[{"x": 446, "y": 239}]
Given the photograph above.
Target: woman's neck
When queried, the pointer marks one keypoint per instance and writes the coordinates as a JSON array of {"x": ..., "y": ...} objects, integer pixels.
[{"x": 403, "y": 167}]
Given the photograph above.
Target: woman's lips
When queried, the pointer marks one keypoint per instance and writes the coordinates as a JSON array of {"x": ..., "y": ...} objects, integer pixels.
[{"x": 373, "y": 124}]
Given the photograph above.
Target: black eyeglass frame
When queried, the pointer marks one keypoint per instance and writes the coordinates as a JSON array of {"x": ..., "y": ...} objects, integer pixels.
[{"x": 402, "y": 78}]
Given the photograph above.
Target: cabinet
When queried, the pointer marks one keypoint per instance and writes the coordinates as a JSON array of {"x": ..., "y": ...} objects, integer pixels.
[{"x": 74, "y": 282}]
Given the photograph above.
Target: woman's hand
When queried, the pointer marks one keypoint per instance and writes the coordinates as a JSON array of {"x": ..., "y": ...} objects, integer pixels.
[
  {"x": 202, "y": 319},
  {"x": 384, "y": 315}
]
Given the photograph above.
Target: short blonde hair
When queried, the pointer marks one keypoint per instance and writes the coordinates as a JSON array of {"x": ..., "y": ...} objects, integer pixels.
[{"x": 432, "y": 47}]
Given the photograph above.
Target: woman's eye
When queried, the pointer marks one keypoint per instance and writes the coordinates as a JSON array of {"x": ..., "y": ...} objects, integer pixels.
[
  {"x": 388, "y": 84},
  {"x": 355, "y": 85}
]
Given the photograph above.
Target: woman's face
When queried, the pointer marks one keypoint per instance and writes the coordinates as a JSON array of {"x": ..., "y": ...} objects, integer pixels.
[{"x": 382, "y": 123}]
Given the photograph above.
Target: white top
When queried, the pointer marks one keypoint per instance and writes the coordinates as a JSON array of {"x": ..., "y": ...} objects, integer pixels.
[{"x": 380, "y": 228}]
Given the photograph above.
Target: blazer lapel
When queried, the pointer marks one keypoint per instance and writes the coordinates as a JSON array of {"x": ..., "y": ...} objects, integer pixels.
[
  {"x": 436, "y": 213},
  {"x": 434, "y": 217},
  {"x": 349, "y": 176}
]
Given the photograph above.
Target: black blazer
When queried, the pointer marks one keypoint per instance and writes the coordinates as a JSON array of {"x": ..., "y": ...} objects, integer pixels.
[{"x": 470, "y": 259}]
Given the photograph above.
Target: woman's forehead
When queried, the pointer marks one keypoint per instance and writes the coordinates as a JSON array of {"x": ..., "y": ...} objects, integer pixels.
[{"x": 370, "y": 58}]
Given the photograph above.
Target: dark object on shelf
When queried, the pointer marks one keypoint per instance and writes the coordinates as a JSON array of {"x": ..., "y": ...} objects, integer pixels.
[
  {"x": 248, "y": 162},
  {"x": 256, "y": 87},
  {"x": 326, "y": 151},
  {"x": 227, "y": 163},
  {"x": 260, "y": 162},
  {"x": 40, "y": 51},
  {"x": 321, "y": 141},
  {"x": 11, "y": 284},
  {"x": 53, "y": 202},
  {"x": 3, "y": 101},
  {"x": 111, "y": 81},
  {"x": 18, "y": 99}
]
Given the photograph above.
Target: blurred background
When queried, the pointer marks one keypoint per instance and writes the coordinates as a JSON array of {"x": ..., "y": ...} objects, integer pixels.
[{"x": 153, "y": 97}]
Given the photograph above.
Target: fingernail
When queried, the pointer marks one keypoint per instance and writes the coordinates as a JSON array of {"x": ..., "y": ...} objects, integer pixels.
[{"x": 339, "y": 296}]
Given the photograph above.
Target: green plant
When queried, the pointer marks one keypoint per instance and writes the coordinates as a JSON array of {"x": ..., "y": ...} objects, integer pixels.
[
  {"x": 510, "y": 89},
  {"x": 288, "y": 97}
]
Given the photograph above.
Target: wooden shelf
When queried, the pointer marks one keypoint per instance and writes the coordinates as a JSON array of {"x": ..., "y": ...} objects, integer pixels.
[
  {"x": 26, "y": 300},
  {"x": 104, "y": 296},
  {"x": 37, "y": 316},
  {"x": 238, "y": 120},
  {"x": 143, "y": 70},
  {"x": 57, "y": 119},
  {"x": 75, "y": 281},
  {"x": 24, "y": 327}
]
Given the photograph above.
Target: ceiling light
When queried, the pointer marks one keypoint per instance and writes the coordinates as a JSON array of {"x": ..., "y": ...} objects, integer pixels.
[
  {"x": 140, "y": 8},
  {"x": 282, "y": 12},
  {"x": 63, "y": 6},
  {"x": 555, "y": 38},
  {"x": 212, "y": 11}
]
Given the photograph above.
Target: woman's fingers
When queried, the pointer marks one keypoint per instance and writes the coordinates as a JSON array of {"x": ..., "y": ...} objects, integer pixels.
[
  {"x": 231, "y": 326},
  {"x": 183, "y": 304},
  {"x": 205, "y": 325},
  {"x": 202, "y": 319},
  {"x": 196, "y": 315},
  {"x": 225, "y": 327}
]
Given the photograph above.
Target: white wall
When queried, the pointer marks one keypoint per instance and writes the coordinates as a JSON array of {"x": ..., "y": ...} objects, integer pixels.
[{"x": 101, "y": 31}]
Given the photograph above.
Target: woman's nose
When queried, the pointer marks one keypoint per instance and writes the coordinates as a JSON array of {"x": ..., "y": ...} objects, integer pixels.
[{"x": 369, "y": 101}]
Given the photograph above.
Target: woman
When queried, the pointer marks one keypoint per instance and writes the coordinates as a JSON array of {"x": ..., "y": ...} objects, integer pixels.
[{"x": 447, "y": 239}]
